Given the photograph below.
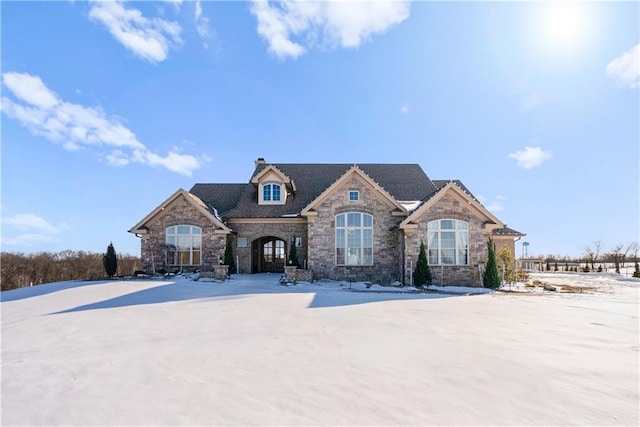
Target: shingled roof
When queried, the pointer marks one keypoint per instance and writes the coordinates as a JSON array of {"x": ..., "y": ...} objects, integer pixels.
[
  {"x": 506, "y": 231},
  {"x": 218, "y": 197},
  {"x": 440, "y": 183},
  {"x": 405, "y": 182}
]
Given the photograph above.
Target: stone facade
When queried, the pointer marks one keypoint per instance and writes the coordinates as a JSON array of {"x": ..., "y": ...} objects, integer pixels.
[
  {"x": 257, "y": 239},
  {"x": 322, "y": 244},
  {"x": 180, "y": 212},
  {"x": 294, "y": 274},
  {"x": 449, "y": 207},
  {"x": 254, "y": 231},
  {"x": 220, "y": 272}
]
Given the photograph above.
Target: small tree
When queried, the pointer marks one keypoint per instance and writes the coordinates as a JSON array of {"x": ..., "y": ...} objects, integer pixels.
[
  {"x": 508, "y": 263},
  {"x": 548, "y": 267},
  {"x": 634, "y": 248},
  {"x": 228, "y": 255},
  {"x": 422, "y": 274},
  {"x": 491, "y": 278},
  {"x": 110, "y": 261},
  {"x": 555, "y": 266},
  {"x": 293, "y": 253}
]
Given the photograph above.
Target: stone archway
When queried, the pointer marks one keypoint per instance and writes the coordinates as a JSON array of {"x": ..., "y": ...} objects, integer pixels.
[{"x": 268, "y": 255}]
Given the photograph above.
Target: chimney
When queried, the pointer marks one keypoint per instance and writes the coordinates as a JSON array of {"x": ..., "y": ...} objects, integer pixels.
[{"x": 260, "y": 161}]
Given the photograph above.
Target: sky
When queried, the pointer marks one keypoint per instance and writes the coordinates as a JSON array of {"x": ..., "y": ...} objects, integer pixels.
[{"x": 109, "y": 107}]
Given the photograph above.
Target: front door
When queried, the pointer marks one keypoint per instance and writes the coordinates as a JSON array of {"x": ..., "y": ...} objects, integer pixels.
[{"x": 268, "y": 255}]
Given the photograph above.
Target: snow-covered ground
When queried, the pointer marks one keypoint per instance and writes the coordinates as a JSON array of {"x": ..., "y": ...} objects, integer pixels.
[{"x": 251, "y": 352}]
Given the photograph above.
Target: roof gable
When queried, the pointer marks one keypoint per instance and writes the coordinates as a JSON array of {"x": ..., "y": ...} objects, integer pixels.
[
  {"x": 354, "y": 171},
  {"x": 141, "y": 227},
  {"x": 269, "y": 172},
  {"x": 404, "y": 182},
  {"x": 452, "y": 188}
]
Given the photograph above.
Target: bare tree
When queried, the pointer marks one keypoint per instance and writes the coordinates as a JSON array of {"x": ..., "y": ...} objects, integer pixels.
[
  {"x": 18, "y": 269},
  {"x": 630, "y": 248},
  {"x": 588, "y": 257},
  {"x": 596, "y": 252},
  {"x": 616, "y": 254}
]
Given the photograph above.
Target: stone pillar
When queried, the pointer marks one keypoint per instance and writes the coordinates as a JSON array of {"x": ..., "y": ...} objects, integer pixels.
[
  {"x": 220, "y": 272},
  {"x": 290, "y": 273}
]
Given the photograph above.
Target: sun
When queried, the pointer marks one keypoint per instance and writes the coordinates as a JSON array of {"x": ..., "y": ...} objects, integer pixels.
[{"x": 563, "y": 23}]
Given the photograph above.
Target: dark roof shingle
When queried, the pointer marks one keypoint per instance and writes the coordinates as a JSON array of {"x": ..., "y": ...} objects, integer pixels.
[{"x": 405, "y": 182}]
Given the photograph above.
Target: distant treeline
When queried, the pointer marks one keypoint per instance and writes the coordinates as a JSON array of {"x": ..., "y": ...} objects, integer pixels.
[{"x": 18, "y": 270}]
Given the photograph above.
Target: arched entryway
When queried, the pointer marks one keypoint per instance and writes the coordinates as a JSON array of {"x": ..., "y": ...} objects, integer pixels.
[{"x": 268, "y": 255}]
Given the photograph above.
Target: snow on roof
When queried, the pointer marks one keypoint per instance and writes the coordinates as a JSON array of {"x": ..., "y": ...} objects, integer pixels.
[{"x": 410, "y": 205}]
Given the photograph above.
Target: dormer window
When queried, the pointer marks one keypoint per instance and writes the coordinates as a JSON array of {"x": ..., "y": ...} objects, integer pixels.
[
  {"x": 272, "y": 193},
  {"x": 273, "y": 186}
]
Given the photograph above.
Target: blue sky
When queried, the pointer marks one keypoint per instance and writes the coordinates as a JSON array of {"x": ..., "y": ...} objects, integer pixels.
[{"x": 109, "y": 108}]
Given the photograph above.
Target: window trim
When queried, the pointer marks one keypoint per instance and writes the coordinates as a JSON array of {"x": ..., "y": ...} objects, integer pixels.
[
  {"x": 270, "y": 186},
  {"x": 361, "y": 229},
  {"x": 172, "y": 231},
  {"x": 460, "y": 228}
]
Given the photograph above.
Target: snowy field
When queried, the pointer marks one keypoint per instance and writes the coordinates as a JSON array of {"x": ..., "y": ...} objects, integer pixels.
[{"x": 252, "y": 352}]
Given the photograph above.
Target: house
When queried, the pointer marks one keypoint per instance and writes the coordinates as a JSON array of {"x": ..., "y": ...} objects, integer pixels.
[{"x": 348, "y": 222}]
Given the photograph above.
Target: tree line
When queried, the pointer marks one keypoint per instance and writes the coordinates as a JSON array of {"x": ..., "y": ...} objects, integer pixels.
[
  {"x": 18, "y": 270},
  {"x": 595, "y": 254}
]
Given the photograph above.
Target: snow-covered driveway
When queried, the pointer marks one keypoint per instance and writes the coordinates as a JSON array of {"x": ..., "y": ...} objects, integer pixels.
[{"x": 251, "y": 352}]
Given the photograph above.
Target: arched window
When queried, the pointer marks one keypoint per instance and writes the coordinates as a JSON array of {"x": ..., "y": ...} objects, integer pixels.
[
  {"x": 187, "y": 241},
  {"x": 271, "y": 192},
  {"x": 448, "y": 242},
  {"x": 354, "y": 239}
]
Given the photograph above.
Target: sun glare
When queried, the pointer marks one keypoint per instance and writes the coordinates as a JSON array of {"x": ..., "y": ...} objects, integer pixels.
[{"x": 563, "y": 23}]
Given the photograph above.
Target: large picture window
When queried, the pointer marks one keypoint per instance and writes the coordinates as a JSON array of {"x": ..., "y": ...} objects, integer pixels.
[
  {"x": 354, "y": 239},
  {"x": 448, "y": 242},
  {"x": 187, "y": 241}
]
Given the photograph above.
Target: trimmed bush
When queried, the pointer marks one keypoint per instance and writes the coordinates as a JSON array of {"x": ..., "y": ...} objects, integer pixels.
[
  {"x": 491, "y": 277},
  {"x": 422, "y": 274},
  {"x": 110, "y": 261}
]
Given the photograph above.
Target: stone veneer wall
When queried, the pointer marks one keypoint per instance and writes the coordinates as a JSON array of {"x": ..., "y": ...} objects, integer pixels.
[
  {"x": 322, "y": 258},
  {"x": 181, "y": 212},
  {"x": 505, "y": 242},
  {"x": 449, "y": 207},
  {"x": 293, "y": 274},
  {"x": 252, "y": 231}
]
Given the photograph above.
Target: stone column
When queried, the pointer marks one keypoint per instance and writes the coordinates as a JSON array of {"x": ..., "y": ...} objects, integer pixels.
[{"x": 220, "y": 272}]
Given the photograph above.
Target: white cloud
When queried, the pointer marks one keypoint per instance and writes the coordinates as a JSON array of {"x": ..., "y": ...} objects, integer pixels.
[
  {"x": 32, "y": 222},
  {"x": 30, "y": 89},
  {"x": 530, "y": 157},
  {"x": 117, "y": 158},
  {"x": 176, "y": 3},
  {"x": 76, "y": 126},
  {"x": 148, "y": 38},
  {"x": 202, "y": 22},
  {"x": 495, "y": 206},
  {"x": 330, "y": 23},
  {"x": 37, "y": 230},
  {"x": 183, "y": 164},
  {"x": 626, "y": 68}
]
